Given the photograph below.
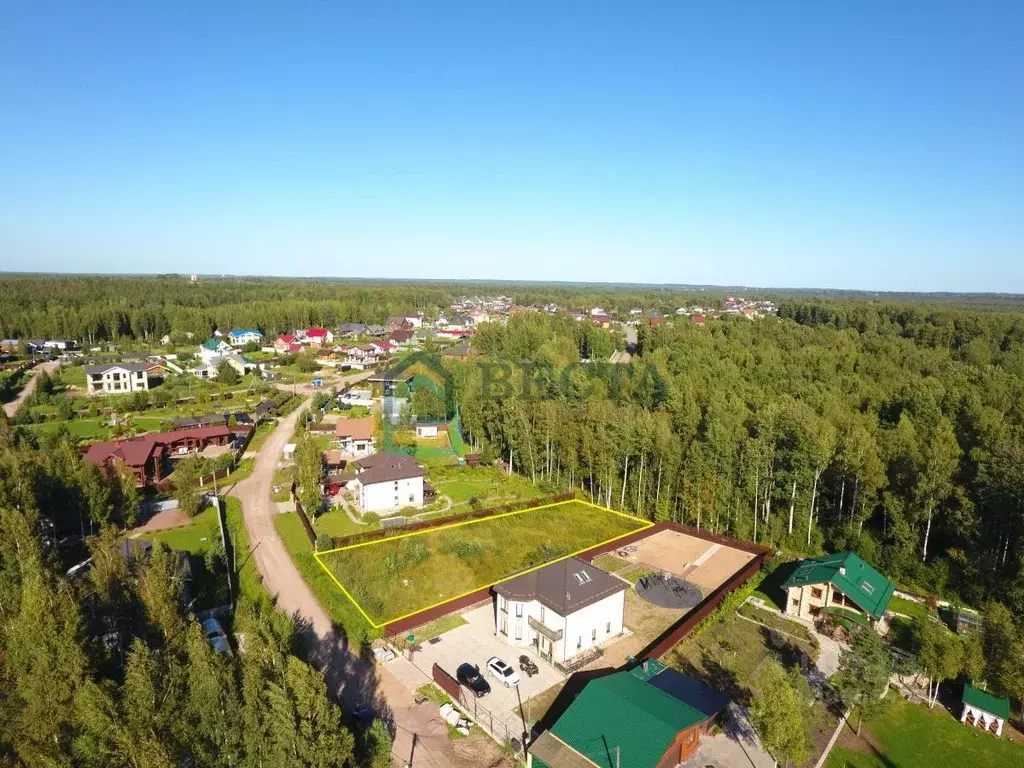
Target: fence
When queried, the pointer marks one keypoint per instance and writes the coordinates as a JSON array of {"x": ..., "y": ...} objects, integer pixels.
[
  {"x": 497, "y": 727},
  {"x": 425, "y": 525},
  {"x": 304, "y": 520}
]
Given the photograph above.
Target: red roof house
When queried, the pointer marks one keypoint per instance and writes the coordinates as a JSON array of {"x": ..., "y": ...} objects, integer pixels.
[{"x": 698, "y": 320}]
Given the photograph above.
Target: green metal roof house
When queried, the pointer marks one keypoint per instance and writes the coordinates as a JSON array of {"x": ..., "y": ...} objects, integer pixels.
[
  {"x": 647, "y": 717},
  {"x": 983, "y": 710},
  {"x": 839, "y": 581}
]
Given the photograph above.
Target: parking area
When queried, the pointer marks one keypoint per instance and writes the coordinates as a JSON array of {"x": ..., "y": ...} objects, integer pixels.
[{"x": 475, "y": 642}]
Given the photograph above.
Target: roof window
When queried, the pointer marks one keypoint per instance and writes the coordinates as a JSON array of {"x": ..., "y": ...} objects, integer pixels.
[
  {"x": 868, "y": 588},
  {"x": 582, "y": 577}
]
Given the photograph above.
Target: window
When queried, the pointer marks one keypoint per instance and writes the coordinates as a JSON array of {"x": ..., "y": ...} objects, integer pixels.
[
  {"x": 795, "y": 602},
  {"x": 579, "y": 642},
  {"x": 608, "y": 628},
  {"x": 814, "y": 610},
  {"x": 816, "y": 592},
  {"x": 502, "y": 603},
  {"x": 504, "y": 626},
  {"x": 582, "y": 577},
  {"x": 519, "y": 631},
  {"x": 542, "y": 614},
  {"x": 412, "y": 498},
  {"x": 593, "y": 635},
  {"x": 519, "y": 610},
  {"x": 868, "y": 588}
]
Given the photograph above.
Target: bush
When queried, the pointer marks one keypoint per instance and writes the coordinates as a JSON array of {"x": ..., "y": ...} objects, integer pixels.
[
  {"x": 371, "y": 518},
  {"x": 324, "y": 542}
]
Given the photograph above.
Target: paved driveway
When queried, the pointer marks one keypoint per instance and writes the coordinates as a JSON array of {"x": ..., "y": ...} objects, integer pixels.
[{"x": 475, "y": 642}]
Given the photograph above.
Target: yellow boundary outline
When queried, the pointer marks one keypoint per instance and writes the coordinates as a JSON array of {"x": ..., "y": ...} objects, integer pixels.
[{"x": 645, "y": 524}]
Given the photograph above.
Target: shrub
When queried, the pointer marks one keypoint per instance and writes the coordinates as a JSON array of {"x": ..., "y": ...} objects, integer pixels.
[
  {"x": 371, "y": 517},
  {"x": 324, "y": 542}
]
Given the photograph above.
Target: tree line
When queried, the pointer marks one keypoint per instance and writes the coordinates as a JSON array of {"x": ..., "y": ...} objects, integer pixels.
[{"x": 899, "y": 437}]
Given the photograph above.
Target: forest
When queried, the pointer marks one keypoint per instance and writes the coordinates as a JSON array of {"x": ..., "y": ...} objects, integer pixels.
[
  {"x": 892, "y": 430},
  {"x": 108, "y": 668}
]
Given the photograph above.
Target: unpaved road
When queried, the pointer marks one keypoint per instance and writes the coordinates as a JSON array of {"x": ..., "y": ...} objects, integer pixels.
[
  {"x": 12, "y": 407},
  {"x": 419, "y": 731}
]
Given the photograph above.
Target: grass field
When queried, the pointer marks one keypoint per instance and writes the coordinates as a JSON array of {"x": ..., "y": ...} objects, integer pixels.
[
  {"x": 483, "y": 483},
  {"x": 910, "y": 608},
  {"x": 394, "y": 577},
  {"x": 94, "y": 429},
  {"x": 909, "y": 735}
]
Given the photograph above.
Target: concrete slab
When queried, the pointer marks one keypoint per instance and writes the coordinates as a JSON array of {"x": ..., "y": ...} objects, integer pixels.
[{"x": 476, "y": 642}]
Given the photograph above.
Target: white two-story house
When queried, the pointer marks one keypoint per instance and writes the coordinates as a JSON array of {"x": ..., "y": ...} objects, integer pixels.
[
  {"x": 117, "y": 378},
  {"x": 385, "y": 482},
  {"x": 560, "y": 610}
]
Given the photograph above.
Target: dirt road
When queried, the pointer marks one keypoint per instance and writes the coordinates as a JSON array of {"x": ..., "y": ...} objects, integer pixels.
[
  {"x": 355, "y": 680},
  {"x": 12, "y": 407}
]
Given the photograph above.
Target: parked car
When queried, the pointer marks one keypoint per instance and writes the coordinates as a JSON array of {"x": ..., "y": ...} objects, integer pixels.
[
  {"x": 215, "y": 634},
  {"x": 527, "y": 665},
  {"x": 469, "y": 675},
  {"x": 503, "y": 671}
]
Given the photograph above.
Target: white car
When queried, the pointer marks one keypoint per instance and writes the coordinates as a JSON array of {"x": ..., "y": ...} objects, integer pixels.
[
  {"x": 215, "y": 634},
  {"x": 502, "y": 671}
]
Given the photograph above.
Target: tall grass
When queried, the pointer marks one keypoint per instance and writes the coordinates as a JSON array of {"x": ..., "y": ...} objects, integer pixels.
[{"x": 393, "y": 577}]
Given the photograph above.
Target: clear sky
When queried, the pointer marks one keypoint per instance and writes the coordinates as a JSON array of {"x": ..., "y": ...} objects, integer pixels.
[{"x": 830, "y": 143}]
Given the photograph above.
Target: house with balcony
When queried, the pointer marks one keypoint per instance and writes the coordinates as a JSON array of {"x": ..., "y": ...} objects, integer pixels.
[
  {"x": 841, "y": 584},
  {"x": 239, "y": 337},
  {"x": 386, "y": 482},
  {"x": 560, "y": 611},
  {"x": 116, "y": 378}
]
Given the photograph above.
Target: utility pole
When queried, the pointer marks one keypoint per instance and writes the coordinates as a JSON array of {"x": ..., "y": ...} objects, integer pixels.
[{"x": 224, "y": 539}]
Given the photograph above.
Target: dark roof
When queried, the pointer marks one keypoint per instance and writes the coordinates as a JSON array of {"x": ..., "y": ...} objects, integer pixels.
[
  {"x": 401, "y": 335},
  {"x": 688, "y": 690},
  {"x": 391, "y": 376},
  {"x": 564, "y": 587},
  {"x": 385, "y": 468},
  {"x": 134, "y": 367},
  {"x": 376, "y": 330},
  {"x": 264, "y": 406},
  {"x": 134, "y": 453},
  {"x": 851, "y": 575},
  {"x": 351, "y": 328}
]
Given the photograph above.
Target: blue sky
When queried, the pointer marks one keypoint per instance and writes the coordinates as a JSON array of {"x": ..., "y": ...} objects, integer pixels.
[{"x": 868, "y": 144}]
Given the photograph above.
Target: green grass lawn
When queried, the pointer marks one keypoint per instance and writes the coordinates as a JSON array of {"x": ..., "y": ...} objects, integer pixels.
[
  {"x": 336, "y": 523},
  {"x": 464, "y": 483},
  {"x": 641, "y": 572},
  {"x": 95, "y": 429},
  {"x": 283, "y": 478},
  {"x": 431, "y": 630},
  {"x": 910, "y": 608},
  {"x": 610, "y": 563},
  {"x": 263, "y": 431},
  {"x": 773, "y": 620},
  {"x": 910, "y": 735},
  {"x": 73, "y": 376},
  {"x": 404, "y": 574}
]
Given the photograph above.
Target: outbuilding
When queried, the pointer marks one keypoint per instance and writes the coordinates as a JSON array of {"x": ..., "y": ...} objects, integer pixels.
[{"x": 983, "y": 710}]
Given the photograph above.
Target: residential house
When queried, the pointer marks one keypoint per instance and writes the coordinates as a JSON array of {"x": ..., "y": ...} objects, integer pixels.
[
  {"x": 601, "y": 321},
  {"x": 356, "y": 436},
  {"x": 363, "y": 397},
  {"x": 650, "y": 716},
  {"x": 413, "y": 320},
  {"x": 166, "y": 338},
  {"x": 403, "y": 337},
  {"x": 395, "y": 322},
  {"x": 385, "y": 482},
  {"x": 145, "y": 456},
  {"x": 700, "y": 320},
  {"x": 317, "y": 336},
  {"x": 116, "y": 378},
  {"x": 376, "y": 330},
  {"x": 655, "y": 318},
  {"x": 214, "y": 348},
  {"x": 560, "y": 610},
  {"x": 983, "y": 710},
  {"x": 282, "y": 343},
  {"x": 239, "y": 338},
  {"x": 208, "y": 368},
  {"x": 384, "y": 347},
  {"x": 460, "y": 351},
  {"x": 835, "y": 584},
  {"x": 351, "y": 329}
]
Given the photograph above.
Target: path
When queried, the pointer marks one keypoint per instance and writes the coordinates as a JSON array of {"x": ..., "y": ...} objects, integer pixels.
[
  {"x": 349, "y": 677},
  {"x": 12, "y": 407}
]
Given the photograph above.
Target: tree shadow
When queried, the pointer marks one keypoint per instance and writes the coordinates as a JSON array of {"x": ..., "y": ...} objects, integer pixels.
[{"x": 772, "y": 583}]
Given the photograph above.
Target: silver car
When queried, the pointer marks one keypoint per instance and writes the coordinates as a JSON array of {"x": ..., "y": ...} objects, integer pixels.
[{"x": 215, "y": 634}]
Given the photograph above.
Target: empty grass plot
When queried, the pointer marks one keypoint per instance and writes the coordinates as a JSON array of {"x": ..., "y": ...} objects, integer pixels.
[{"x": 396, "y": 577}]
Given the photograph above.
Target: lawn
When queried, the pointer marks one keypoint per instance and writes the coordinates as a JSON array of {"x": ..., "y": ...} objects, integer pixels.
[
  {"x": 263, "y": 431},
  {"x": 336, "y": 523},
  {"x": 491, "y": 487},
  {"x": 95, "y": 428},
  {"x": 910, "y": 608},
  {"x": 910, "y": 735},
  {"x": 610, "y": 563},
  {"x": 407, "y": 573},
  {"x": 431, "y": 630}
]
